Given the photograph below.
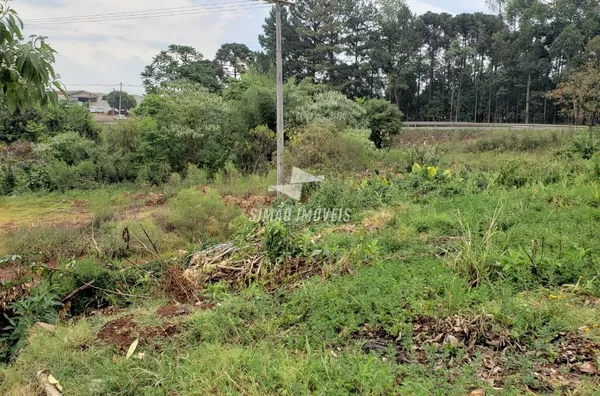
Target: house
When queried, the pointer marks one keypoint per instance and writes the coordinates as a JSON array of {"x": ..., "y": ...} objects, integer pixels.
[{"x": 86, "y": 99}]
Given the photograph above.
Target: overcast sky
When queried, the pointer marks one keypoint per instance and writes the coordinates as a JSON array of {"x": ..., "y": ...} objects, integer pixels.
[{"x": 94, "y": 54}]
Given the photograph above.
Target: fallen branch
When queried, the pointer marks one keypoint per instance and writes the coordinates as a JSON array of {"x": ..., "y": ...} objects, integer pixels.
[
  {"x": 118, "y": 293},
  {"x": 77, "y": 291}
]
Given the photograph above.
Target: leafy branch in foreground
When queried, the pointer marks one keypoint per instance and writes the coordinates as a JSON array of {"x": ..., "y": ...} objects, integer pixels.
[{"x": 26, "y": 71}]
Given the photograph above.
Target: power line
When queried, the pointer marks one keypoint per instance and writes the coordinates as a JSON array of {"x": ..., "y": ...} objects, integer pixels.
[
  {"x": 197, "y": 12},
  {"x": 129, "y": 13}
]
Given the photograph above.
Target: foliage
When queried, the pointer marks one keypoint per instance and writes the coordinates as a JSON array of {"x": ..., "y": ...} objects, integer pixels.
[
  {"x": 26, "y": 68},
  {"x": 121, "y": 100},
  {"x": 40, "y": 306},
  {"x": 200, "y": 217},
  {"x": 320, "y": 147},
  {"x": 33, "y": 125},
  {"x": 336, "y": 108},
  {"x": 181, "y": 62},
  {"x": 581, "y": 93},
  {"x": 384, "y": 120}
]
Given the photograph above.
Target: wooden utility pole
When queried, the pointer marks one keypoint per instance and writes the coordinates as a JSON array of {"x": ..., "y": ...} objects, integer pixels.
[
  {"x": 280, "y": 127},
  {"x": 120, "y": 96}
]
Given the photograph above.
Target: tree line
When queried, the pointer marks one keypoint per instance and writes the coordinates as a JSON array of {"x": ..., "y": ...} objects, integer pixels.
[{"x": 502, "y": 67}]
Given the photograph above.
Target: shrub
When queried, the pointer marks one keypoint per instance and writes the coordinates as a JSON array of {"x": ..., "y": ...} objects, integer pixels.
[
  {"x": 254, "y": 154},
  {"x": 333, "y": 106},
  {"x": 68, "y": 147},
  {"x": 384, "y": 119},
  {"x": 195, "y": 177},
  {"x": 320, "y": 147},
  {"x": 71, "y": 118},
  {"x": 586, "y": 144},
  {"x": 200, "y": 216}
]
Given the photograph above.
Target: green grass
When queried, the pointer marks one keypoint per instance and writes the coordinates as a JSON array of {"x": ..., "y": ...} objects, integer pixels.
[{"x": 537, "y": 274}]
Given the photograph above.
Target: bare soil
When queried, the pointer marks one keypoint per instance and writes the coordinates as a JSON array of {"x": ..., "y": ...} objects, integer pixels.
[{"x": 123, "y": 331}]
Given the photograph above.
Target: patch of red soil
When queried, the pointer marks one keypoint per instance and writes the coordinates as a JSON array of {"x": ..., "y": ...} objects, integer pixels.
[
  {"x": 170, "y": 311},
  {"x": 123, "y": 331},
  {"x": 120, "y": 332}
]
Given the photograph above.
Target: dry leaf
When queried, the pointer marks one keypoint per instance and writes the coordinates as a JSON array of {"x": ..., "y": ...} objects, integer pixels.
[
  {"x": 587, "y": 368},
  {"x": 452, "y": 340},
  {"x": 132, "y": 348},
  {"x": 476, "y": 392},
  {"x": 54, "y": 382}
]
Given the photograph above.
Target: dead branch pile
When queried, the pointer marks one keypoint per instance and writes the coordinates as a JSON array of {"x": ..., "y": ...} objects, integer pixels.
[
  {"x": 224, "y": 262},
  {"x": 241, "y": 266}
]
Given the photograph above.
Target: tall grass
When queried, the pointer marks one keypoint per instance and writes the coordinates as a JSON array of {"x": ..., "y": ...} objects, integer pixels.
[{"x": 473, "y": 255}]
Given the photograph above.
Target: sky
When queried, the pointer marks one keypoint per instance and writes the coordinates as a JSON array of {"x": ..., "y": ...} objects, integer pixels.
[{"x": 97, "y": 56}]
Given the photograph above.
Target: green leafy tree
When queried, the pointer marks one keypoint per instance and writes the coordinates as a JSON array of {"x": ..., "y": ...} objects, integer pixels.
[
  {"x": 396, "y": 45},
  {"x": 234, "y": 58},
  {"x": 384, "y": 121},
  {"x": 125, "y": 100},
  {"x": 26, "y": 67},
  {"x": 181, "y": 62},
  {"x": 290, "y": 44}
]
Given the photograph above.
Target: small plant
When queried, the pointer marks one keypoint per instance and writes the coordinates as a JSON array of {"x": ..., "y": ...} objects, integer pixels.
[
  {"x": 40, "y": 306},
  {"x": 200, "y": 216},
  {"x": 472, "y": 254},
  {"x": 280, "y": 244}
]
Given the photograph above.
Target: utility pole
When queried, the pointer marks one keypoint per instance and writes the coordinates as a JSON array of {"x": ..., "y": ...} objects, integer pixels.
[
  {"x": 120, "y": 96},
  {"x": 280, "y": 130}
]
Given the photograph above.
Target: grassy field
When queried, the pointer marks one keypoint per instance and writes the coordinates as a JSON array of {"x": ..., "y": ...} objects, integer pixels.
[{"x": 470, "y": 262}]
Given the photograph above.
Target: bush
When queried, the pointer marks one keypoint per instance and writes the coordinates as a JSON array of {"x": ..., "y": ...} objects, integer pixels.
[
  {"x": 384, "y": 119},
  {"x": 68, "y": 147},
  {"x": 253, "y": 155},
  {"x": 320, "y": 147},
  {"x": 199, "y": 216},
  {"x": 71, "y": 118},
  {"x": 334, "y": 107}
]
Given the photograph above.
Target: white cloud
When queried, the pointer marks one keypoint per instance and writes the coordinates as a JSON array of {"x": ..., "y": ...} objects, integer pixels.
[
  {"x": 111, "y": 52},
  {"x": 106, "y": 53}
]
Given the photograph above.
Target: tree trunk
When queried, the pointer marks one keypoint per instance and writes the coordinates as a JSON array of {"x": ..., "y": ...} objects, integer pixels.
[
  {"x": 528, "y": 98},
  {"x": 398, "y": 97}
]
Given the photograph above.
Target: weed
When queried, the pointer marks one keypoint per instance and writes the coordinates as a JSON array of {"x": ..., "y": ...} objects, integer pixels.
[
  {"x": 40, "y": 306},
  {"x": 47, "y": 243},
  {"x": 199, "y": 216},
  {"x": 473, "y": 255}
]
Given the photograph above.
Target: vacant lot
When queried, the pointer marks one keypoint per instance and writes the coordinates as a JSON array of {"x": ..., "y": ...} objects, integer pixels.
[{"x": 469, "y": 264}]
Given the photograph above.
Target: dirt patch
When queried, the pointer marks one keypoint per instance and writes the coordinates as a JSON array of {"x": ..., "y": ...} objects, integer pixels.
[
  {"x": 120, "y": 332},
  {"x": 454, "y": 341},
  {"x": 171, "y": 311},
  {"x": 247, "y": 204},
  {"x": 123, "y": 331}
]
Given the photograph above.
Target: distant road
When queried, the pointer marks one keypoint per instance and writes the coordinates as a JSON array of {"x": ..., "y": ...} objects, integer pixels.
[{"x": 473, "y": 125}]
